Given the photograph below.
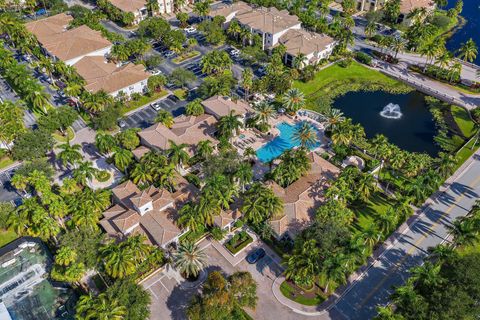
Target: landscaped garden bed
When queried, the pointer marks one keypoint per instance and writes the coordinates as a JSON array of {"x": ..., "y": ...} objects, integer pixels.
[
  {"x": 144, "y": 99},
  {"x": 238, "y": 242},
  {"x": 186, "y": 56},
  {"x": 307, "y": 296}
]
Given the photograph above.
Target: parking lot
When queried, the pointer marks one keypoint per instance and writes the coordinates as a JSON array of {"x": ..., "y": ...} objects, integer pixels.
[
  {"x": 7, "y": 192},
  {"x": 196, "y": 69},
  {"x": 169, "y": 299},
  {"x": 145, "y": 117}
]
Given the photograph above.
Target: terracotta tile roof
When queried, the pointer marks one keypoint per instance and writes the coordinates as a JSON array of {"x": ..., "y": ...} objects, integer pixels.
[
  {"x": 129, "y": 5},
  {"x": 269, "y": 20},
  {"x": 220, "y": 106},
  {"x": 141, "y": 199},
  {"x": 158, "y": 224},
  {"x": 49, "y": 26},
  {"x": 73, "y": 43},
  {"x": 303, "y": 197},
  {"x": 139, "y": 152},
  {"x": 301, "y": 41},
  {"x": 225, "y": 10},
  {"x": 227, "y": 217},
  {"x": 102, "y": 75},
  {"x": 186, "y": 129},
  {"x": 408, "y": 5}
]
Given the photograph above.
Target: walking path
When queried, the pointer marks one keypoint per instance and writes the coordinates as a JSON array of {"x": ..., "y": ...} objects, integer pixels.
[{"x": 372, "y": 284}]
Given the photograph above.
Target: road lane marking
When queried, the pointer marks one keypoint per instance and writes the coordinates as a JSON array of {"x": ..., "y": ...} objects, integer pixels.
[{"x": 415, "y": 245}]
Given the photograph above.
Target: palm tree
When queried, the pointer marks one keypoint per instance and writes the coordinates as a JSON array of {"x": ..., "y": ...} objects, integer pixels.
[
  {"x": 65, "y": 256},
  {"x": 386, "y": 220},
  {"x": 94, "y": 102},
  {"x": 293, "y": 100},
  {"x": 371, "y": 29},
  {"x": 334, "y": 118},
  {"x": 334, "y": 271},
  {"x": 299, "y": 61},
  {"x": 189, "y": 217},
  {"x": 141, "y": 174},
  {"x": 234, "y": 29},
  {"x": 454, "y": 71},
  {"x": 249, "y": 153},
  {"x": 37, "y": 97},
  {"x": 105, "y": 143},
  {"x": 372, "y": 235},
  {"x": 119, "y": 261},
  {"x": 302, "y": 265},
  {"x": 244, "y": 174},
  {"x": 397, "y": 45},
  {"x": 305, "y": 135},
  {"x": 264, "y": 111},
  {"x": 101, "y": 308},
  {"x": 194, "y": 108},
  {"x": 445, "y": 164},
  {"x": 153, "y": 7},
  {"x": 70, "y": 154},
  {"x": 366, "y": 186},
  {"x": 189, "y": 259},
  {"x": 230, "y": 125},
  {"x": 464, "y": 232},
  {"x": 202, "y": 8},
  {"x": 19, "y": 182},
  {"x": 84, "y": 172},
  {"x": 247, "y": 81},
  {"x": 177, "y": 154},
  {"x": 426, "y": 275},
  {"x": 137, "y": 245},
  {"x": 122, "y": 158},
  {"x": 215, "y": 62},
  {"x": 260, "y": 203},
  {"x": 441, "y": 252},
  {"x": 468, "y": 51},
  {"x": 205, "y": 149},
  {"x": 166, "y": 118}
]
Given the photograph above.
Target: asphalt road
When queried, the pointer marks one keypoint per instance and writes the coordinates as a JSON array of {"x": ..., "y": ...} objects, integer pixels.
[{"x": 429, "y": 230}]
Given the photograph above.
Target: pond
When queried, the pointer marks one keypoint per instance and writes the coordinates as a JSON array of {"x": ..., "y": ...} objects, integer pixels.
[{"x": 403, "y": 118}]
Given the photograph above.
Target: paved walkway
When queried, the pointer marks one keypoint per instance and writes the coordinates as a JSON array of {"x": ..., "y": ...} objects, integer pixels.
[{"x": 372, "y": 284}]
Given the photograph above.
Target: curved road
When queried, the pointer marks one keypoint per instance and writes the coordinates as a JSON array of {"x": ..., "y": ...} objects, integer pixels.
[{"x": 429, "y": 229}]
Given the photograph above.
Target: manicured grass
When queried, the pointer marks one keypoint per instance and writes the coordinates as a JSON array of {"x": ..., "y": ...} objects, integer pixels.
[
  {"x": 180, "y": 93},
  {"x": 351, "y": 78},
  {"x": 7, "y": 236},
  {"x": 5, "y": 162},
  {"x": 294, "y": 295},
  {"x": 60, "y": 138},
  {"x": 132, "y": 105},
  {"x": 185, "y": 56},
  {"x": 463, "y": 120},
  {"x": 465, "y": 153},
  {"x": 378, "y": 203}
]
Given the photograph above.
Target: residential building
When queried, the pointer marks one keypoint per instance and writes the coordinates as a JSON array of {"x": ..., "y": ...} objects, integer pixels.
[
  {"x": 312, "y": 46},
  {"x": 151, "y": 212},
  {"x": 185, "y": 129},
  {"x": 101, "y": 75},
  {"x": 226, "y": 219},
  {"x": 220, "y": 106},
  {"x": 140, "y": 10},
  {"x": 406, "y": 6},
  {"x": 269, "y": 23},
  {"x": 229, "y": 11},
  {"x": 68, "y": 45},
  {"x": 302, "y": 198}
]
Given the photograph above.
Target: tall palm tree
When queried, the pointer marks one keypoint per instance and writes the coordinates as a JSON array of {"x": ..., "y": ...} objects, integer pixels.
[
  {"x": 230, "y": 125},
  {"x": 189, "y": 217},
  {"x": 100, "y": 307},
  {"x": 247, "y": 81},
  {"x": 397, "y": 45},
  {"x": 194, "y": 108},
  {"x": 189, "y": 259},
  {"x": 468, "y": 51},
  {"x": 65, "y": 256},
  {"x": 141, "y": 174},
  {"x": 427, "y": 275},
  {"x": 465, "y": 232},
  {"x": 372, "y": 235},
  {"x": 70, "y": 154},
  {"x": 177, "y": 154},
  {"x": 122, "y": 158},
  {"x": 137, "y": 245},
  {"x": 334, "y": 118},
  {"x": 302, "y": 265},
  {"x": 334, "y": 271},
  {"x": 305, "y": 135},
  {"x": 366, "y": 186},
  {"x": 293, "y": 100},
  {"x": 264, "y": 111},
  {"x": 244, "y": 174},
  {"x": 260, "y": 203},
  {"x": 299, "y": 61},
  {"x": 371, "y": 29},
  {"x": 205, "y": 149},
  {"x": 84, "y": 172},
  {"x": 105, "y": 143},
  {"x": 119, "y": 261},
  {"x": 166, "y": 118}
]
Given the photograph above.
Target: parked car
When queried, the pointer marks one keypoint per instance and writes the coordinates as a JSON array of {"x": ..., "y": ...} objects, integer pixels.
[
  {"x": 235, "y": 52},
  {"x": 169, "y": 54},
  {"x": 190, "y": 29},
  {"x": 155, "y": 72},
  {"x": 174, "y": 98},
  {"x": 156, "y": 106},
  {"x": 122, "y": 123},
  {"x": 256, "y": 255}
]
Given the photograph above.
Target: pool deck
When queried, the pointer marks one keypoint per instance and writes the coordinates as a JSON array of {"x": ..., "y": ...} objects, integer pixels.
[{"x": 254, "y": 139}]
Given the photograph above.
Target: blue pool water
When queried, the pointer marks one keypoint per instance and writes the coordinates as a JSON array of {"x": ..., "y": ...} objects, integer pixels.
[{"x": 284, "y": 141}]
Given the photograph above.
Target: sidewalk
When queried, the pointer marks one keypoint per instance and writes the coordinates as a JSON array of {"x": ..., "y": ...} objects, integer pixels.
[{"x": 359, "y": 274}]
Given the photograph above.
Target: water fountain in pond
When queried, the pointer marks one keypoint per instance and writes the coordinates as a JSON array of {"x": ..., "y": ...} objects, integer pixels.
[{"x": 391, "y": 111}]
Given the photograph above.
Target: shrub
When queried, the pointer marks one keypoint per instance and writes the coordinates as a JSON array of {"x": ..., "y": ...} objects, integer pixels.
[
  {"x": 193, "y": 179},
  {"x": 217, "y": 233},
  {"x": 364, "y": 58},
  {"x": 345, "y": 62},
  {"x": 103, "y": 176},
  {"x": 238, "y": 224}
]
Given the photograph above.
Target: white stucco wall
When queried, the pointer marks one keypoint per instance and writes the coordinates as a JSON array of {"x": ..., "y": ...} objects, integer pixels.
[{"x": 102, "y": 52}]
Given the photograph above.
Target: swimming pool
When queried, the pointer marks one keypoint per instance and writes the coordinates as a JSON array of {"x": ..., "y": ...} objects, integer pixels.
[{"x": 284, "y": 141}]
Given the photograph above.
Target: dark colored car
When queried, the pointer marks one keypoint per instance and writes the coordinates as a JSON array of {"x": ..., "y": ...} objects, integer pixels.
[
  {"x": 256, "y": 255},
  {"x": 174, "y": 98}
]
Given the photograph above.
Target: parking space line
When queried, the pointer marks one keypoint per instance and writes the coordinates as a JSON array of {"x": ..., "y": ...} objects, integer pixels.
[{"x": 151, "y": 291}]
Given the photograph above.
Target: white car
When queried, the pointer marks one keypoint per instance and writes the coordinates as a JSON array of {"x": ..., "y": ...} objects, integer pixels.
[
  {"x": 156, "y": 106},
  {"x": 235, "y": 52},
  {"x": 156, "y": 72},
  {"x": 190, "y": 29},
  {"x": 169, "y": 54}
]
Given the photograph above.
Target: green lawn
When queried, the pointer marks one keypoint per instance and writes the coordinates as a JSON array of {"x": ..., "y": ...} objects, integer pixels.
[
  {"x": 62, "y": 139},
  {"x": 132, "y": 105},
  {"x": 185, "y": 56},
  {"x": 5, "y": 162},
  {"x": 7, "y": 236},
  {"x": 465, "y": 153},
  {"x": 367, "y": 212},
  {"x": 463, "y": 120},
  {"x": 180, "y": 93},
  {"x": 287, "y": 291},
  {"x": 335, "y": 80}
]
